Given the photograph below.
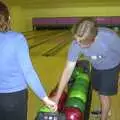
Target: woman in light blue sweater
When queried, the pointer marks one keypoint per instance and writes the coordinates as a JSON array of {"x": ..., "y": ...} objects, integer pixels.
[{"x": 16, "y": 73}]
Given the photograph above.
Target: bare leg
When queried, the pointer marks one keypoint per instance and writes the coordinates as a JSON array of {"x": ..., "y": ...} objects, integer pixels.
[{"x": 105, "y": 106}]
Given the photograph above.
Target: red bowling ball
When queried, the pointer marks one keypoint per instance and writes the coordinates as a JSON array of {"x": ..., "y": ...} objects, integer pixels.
[
  {"x": 73, "y": 114},
  {"x": 62, "y": 99}
]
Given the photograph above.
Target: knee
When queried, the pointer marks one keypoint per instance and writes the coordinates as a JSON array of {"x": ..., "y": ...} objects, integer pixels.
[{"x": 105, "y": 99}]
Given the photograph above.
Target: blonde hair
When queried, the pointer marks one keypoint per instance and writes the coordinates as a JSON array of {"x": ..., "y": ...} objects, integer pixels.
[
  {"x": 85, "y": 28},
  {"x": 4, "y": 18}
]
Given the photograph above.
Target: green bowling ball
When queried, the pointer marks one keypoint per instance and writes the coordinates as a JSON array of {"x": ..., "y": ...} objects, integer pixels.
[
  {"x": 45, "y": 109},
  {"x": 77, "y": 70},
  {"x": 79, "y": 87},
  {"x": 75, "y": 103},
  {"x": 82, "y": 83},
  {"x": 82, "y": 76},
  {"x": 78, "y": 94}
]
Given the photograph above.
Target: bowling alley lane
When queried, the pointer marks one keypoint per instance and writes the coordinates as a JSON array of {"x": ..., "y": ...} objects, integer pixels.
[
  {"x": 41, "y": 44},
  {"x": 34, "y": 38}
]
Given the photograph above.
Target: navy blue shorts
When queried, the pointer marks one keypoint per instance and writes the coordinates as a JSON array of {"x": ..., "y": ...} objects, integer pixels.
[{"x": 105, "y": 81}]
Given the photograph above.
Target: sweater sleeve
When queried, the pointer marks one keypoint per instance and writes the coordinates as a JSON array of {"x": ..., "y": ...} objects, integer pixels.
[{"x": 29, "y": 73}]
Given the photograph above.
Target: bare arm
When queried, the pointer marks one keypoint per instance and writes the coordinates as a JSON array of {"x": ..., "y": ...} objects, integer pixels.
[
  {"x": 69, "y": 67},
  {"x": 30, "y": 76},
  {"x": 73, "y": 55}
]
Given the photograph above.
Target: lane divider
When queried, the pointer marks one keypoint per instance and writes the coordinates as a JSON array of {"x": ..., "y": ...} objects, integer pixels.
[
  {"x": 48, "y": 39},
  {"x": 54, "y": 50}
]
